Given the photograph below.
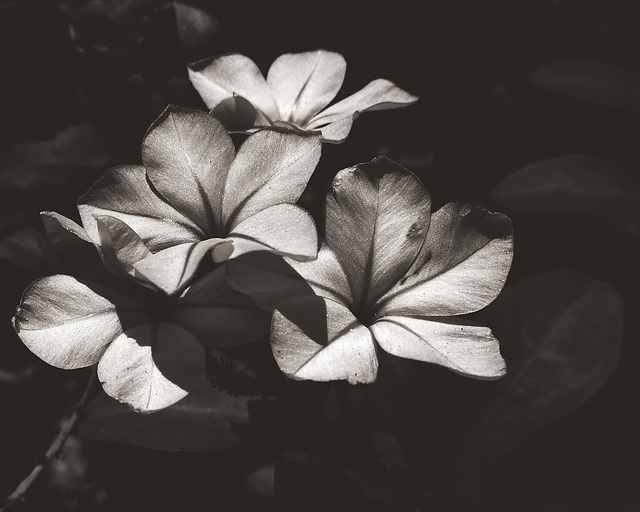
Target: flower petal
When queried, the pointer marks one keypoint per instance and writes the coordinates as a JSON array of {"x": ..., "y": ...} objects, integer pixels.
[
  {"x": 187, "y": 154},
  {"x": 469, "y": 350},
  {"x": 284, "y": 229},
  {"x": 152, "y": 366},
  {"x": 66, "y": 323},
  {"x": 379, "y": 94},
  {"x": 219, "y": 78},
  {"x": 271, "y": 167},
  {"x": 218, "y": 315},
  {"x": 377, "y": 215},
  {"x": 121, "y": 246},
  {"x": 123, "y": 192},
  {"x": 171, "y": 270},
  {"x": 313, "y": 338},
  {"x": 462, "y": 268},
  {"x": 237, "y": 114},
  {"x": 337, "y": 132},
  {"x": 305, "y": 83}
]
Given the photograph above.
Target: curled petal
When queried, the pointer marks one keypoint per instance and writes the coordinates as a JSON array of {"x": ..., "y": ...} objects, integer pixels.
[
  {"x": 121, "y": 247},
  {"x": 469, "y": 350},
  {"x": 377, "y": 216},
  {"x": 123, "y": 192},
  {"x": 218, "y": 315},
  {"x": 313, "y": 338},
  {"x": 337, "y": 132},
  {"x": 305, "y": 83},
  {"x": 171, "y": 270},
  {"x": 66, "y": 323},
  {"x": 271, "y": 167},
  {"x": 284, "y": 229},
  {"x": 219, "y": 78},
  {"x": 379, "y": 94},
  {"x": 152, "y": 366},
  {"x": 187, "y": 154},
  {"x": 462, "y": 267}
]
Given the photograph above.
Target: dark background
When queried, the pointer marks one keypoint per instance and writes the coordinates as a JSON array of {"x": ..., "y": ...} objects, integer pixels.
[{"x": 115, "y": 65}]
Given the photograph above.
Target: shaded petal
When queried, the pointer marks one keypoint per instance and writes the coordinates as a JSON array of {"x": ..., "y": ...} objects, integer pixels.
[
  {"x": 121, "y": 246},
  {"x": 66, "y": 323},
  {"x": 238, "y": 114},
  {"x": 171, "y": 270},
  {"x": 218, "y": 315},
  {"x": 62, "y": 231},
  {"x": 284, "y": 229},
  {"x": 463, "y": 266},
  {"x": 305, "y": 83},
  {"x": 270, "y": 279},
  {"x": 187, "y": 154},
  {"x": 313, "y": 338},
  {"x": 377, "y": 216},
  {"x": 123, "y": 192},
  {"x": 219, "y": 78},
  {"x": 379, "y": 94},
  {"x": 469, "y": 350},
  {"x": 271, "y": 167},
  {"x": 152, "y": 366}
]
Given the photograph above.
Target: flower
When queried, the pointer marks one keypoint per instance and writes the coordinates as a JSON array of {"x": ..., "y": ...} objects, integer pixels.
[
  {"x": 149, "y": 347},
  {"x": 297, "y": 88},
  {"x": 195, "y": 195},
  {"x": 388, "y": 273}
]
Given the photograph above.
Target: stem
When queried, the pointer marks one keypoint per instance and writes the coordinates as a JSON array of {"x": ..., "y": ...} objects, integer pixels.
[{"x": 54, "y": 448}]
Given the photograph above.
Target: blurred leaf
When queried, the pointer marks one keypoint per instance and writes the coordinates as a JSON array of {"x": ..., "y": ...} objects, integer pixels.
[
  {"x": 200, "y": 422},
  {"x": 596, "y": 82},
  {"x": 196, "y": 29},
  {"x": 573, "y": 184},
  {"x": 50, "y": 162},
  {"x": 28, "y": 248},
  {"x": 561, "y": 334}
]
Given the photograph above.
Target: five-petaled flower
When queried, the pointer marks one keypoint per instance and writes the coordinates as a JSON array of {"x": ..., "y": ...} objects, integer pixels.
[
  {"x": 297, "y": 88},
  {"x": 149, "y": 347},
  {"x": 390, "y": 272},
  {"x": 194, "y": 195}
]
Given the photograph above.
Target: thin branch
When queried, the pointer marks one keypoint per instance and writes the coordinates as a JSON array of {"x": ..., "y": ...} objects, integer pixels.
[{"x": 54, "y": 449}]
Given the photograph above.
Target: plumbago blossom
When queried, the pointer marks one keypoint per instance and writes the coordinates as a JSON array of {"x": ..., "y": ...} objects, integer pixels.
[
  {"x": 297, "y": 88},
  {"x": 149, "y": 346},
  {"x": 194, "y": 196},
  {"x": 152, "y": 226},
  {"x": 389, "y": 273}
]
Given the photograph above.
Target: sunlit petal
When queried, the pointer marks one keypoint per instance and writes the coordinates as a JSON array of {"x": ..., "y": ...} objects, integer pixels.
[
  {"x": 304, "y": 83},
  {"x": 463, "y": 266},
  {"x": 152, "y": 366},
  {"x": 66, "y": 323},
  {"x": 219, "y": 78},
  {"x": 271, "y": 167},
  {"x": 172, "y": 269},
  {"x": 469, "y": 350},
  {"x": 187, "y": 154},
  {"x": 313, "y": 338},
  {"x": 284, "y": 229},
  {"x": 380, "y": 94},
  {"x": 123, "y": 192}
]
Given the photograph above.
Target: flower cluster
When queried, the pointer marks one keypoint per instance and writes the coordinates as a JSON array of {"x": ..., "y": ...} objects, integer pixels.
[{"x": 203, "y": 245}]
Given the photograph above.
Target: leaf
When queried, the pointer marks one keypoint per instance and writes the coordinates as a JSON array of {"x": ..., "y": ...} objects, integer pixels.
[
  {"x": 574, "y": 184},
  {"x": 561, "y": 335},
  {"x": 152, "y": 365},
  {"x": 201, "y": 421},
  {"x": 596, "y": 82},
  {"x": 66, "y": 323},
  {"x": 28, "y": 248},
  {"x": 196, "y": 28},
  {"x": 305, "y": 83}
]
